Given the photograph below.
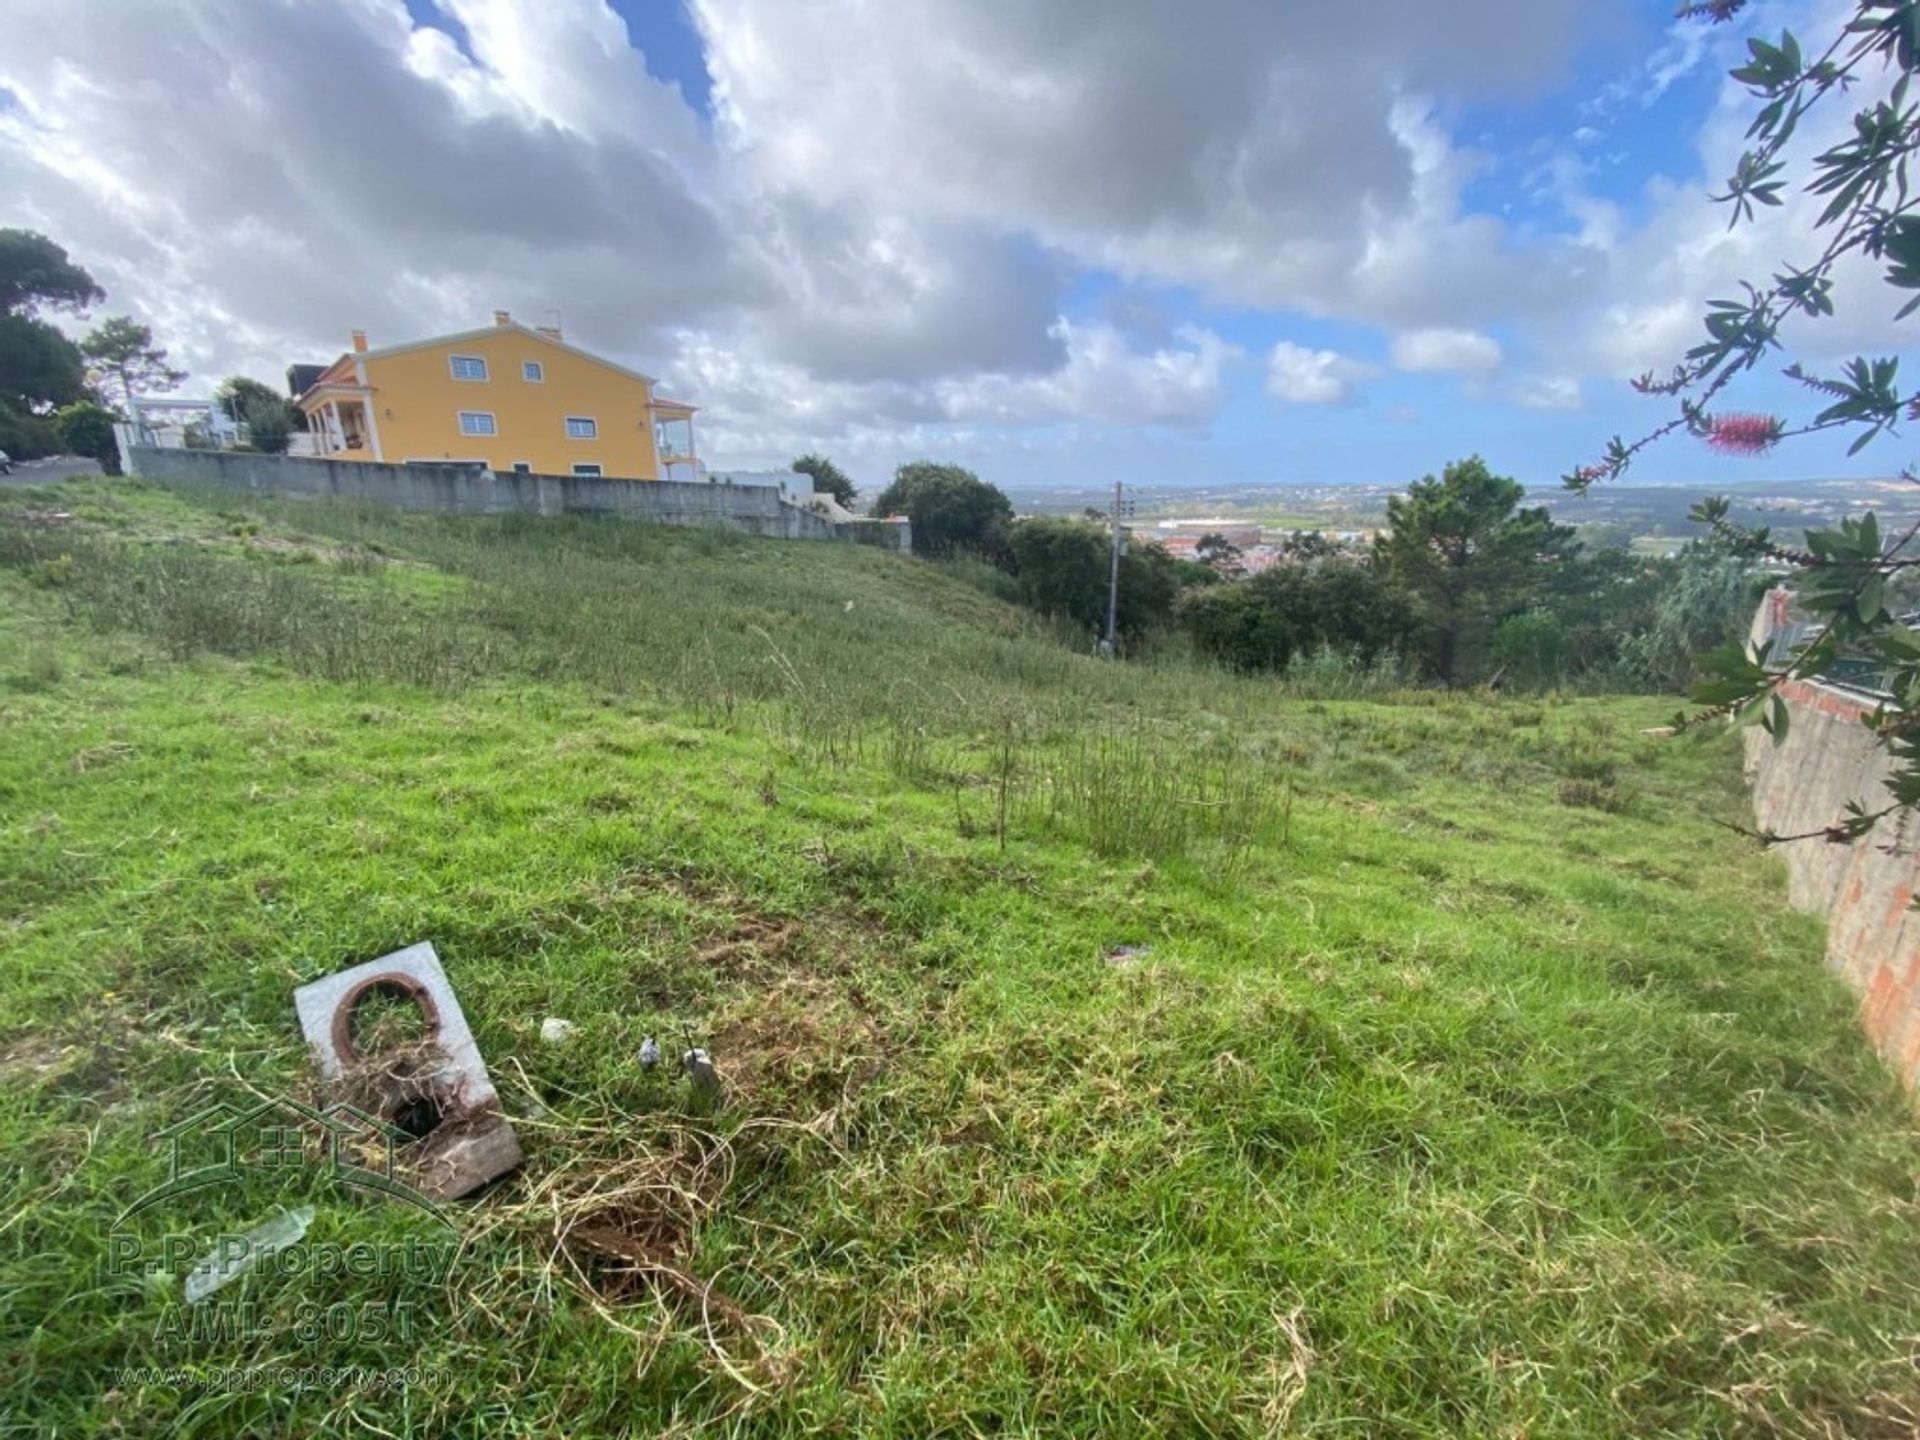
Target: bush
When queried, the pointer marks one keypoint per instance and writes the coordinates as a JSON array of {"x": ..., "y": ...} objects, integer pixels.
[
  {"x": 1709, "y": 601},
  {"x": 1533, "y": 650},
  {"x": 982, "y": 575},
  {"x": 1262, "y": 623},
  {"x": 270, "y": 424},
  {"x": 86, "y": 429},
  {"x": 950, "y": 508},
  {"x": 1236, "y": 625},
  {"x": 1064, "y": 570}
]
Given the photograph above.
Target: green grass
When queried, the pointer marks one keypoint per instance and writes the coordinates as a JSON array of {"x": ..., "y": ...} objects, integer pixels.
[{"x": 1472, "y": 1081}]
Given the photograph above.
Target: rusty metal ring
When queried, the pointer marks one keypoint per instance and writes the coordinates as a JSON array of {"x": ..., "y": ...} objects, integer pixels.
[{"x": 397, "y": 981}]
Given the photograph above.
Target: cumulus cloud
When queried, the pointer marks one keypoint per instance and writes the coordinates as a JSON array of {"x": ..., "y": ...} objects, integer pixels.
[
  {"x": 1251, "y": 149},
  {"x": 1548, "y": 392},
  {"x": 1302, "y": 376},
  {"x": 1438, "y": 351},
  {"x": 1104, "y": 379}
]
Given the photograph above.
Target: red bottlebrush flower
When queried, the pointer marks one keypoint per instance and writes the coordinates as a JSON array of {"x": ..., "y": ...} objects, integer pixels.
[{"x": 1743, "y": 434}]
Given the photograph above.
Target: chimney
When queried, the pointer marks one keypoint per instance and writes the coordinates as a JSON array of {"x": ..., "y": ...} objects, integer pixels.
[
  {"x": 552, "y": 332},
  {"x": 501, "y": 317},
  {"x": 359, "y": 340}
]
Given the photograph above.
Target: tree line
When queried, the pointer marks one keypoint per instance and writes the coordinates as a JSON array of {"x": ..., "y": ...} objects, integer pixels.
[
  {"x": 62, "y": 395},
  {"x": 1465, "y": 584}
]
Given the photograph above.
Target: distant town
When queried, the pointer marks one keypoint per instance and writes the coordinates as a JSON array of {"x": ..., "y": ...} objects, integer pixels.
[{"x": 1258, "y": 520}]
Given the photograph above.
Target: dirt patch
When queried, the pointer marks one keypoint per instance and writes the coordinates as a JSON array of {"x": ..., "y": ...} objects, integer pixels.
[
  {"x": 33, "y": 1061},
  {"x": 750, "y": 947},
  {"x": 351, "y": 557},
  {"x": 90, "y": 1071},
  {"x": 804, "y": 1046},
  {"x": 801, "y": 1011}
]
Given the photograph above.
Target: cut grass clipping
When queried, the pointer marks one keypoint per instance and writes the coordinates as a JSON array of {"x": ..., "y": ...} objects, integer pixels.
[{"x": 1107, "y": 1049}]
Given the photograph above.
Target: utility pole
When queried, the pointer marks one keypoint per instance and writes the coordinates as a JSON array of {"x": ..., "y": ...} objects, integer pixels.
[{"x": 1113, "y": 576}]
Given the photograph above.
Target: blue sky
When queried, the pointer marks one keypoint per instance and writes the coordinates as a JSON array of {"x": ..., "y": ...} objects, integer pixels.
[{"x": 1058, "y": 240}]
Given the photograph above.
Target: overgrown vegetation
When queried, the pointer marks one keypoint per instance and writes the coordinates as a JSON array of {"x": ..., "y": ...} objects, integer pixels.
[
  {"x": 1110, "y": 1049},
  {"x": 1466, "y": 585},
  {"x": 267, "y": 419}
]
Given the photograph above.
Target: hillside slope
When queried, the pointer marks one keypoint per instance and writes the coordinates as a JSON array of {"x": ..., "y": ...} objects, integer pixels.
[{"x": 1110, "y": 1049}]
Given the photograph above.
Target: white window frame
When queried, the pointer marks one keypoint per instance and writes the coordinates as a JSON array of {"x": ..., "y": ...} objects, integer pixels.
[
  {"x": 523, "y": 467},
  {"x": 589, "y": 470},
  {"x": 453, "y": 369},
  {"x": 534, "y": 372},
  {"x": 593, "y": 427},
  {"x": 492, "y": 432}
]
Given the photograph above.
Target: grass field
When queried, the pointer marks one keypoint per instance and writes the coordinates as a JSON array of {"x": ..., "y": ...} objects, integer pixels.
[{"x": 1463, "y": 1077}]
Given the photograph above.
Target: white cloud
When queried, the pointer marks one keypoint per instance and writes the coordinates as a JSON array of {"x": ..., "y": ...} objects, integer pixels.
[
  {"x": 1687, "y": 45},
  {"x": 1103, "y": 380},
  {"x": 1300, "y": 376},
  {"x": 1547, "y": 392},
  {"x": 1250, "y": 149},
  {"x": 1440, "y": 351}
]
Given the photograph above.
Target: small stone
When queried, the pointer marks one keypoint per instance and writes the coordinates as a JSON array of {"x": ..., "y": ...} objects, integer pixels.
[
  {"x": 649, "y": 1053},
  {"x": 1121, "y": 956},
  {"x": 697, "y": 1065},
  {"x": 555, "y": 1031}
]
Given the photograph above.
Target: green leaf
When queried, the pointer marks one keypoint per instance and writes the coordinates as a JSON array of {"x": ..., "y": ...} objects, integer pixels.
[{"x": 1781, "y": 719}]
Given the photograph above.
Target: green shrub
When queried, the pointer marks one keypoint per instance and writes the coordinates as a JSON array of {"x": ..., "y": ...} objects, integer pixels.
[
  {"x": 1533, "y": 650},
  {"x": 86, "y": 429},
  {"x": 1262, "y": 623},
  {"x": 1064, "y": 568}
]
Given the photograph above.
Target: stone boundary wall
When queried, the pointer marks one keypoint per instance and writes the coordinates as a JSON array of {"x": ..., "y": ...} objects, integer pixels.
[
  {"x": 1864, "y": 889},
  {"x": 474, "y": 489}
]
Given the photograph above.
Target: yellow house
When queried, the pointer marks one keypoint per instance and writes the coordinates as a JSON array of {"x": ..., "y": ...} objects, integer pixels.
[{"x": 509, "y": 396}]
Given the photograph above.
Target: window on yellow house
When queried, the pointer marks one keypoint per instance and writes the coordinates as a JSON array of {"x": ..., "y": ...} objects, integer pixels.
[
  {"x": 477, "y": 422},
  {"x": 467, "y": 367},
  {"x": 533, "y": 372},
  {"x": 582, "y": 427}
]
